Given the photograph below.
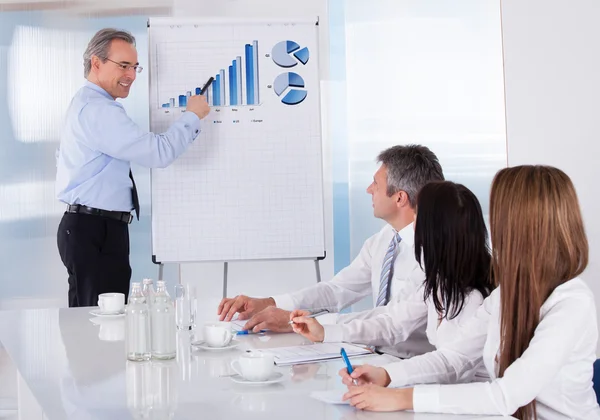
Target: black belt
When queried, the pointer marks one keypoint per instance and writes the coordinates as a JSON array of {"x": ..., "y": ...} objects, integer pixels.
[{"x": 121, "y": 216}]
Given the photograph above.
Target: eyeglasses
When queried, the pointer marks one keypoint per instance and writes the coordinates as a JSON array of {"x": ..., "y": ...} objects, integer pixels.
[{"x": 125, "y": 67}]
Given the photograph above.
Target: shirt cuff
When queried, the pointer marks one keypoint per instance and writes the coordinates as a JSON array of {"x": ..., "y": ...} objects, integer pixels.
[
  {"x": 426, "y": 399},
  {"x": 328, "y": 319},
  {"x": 192, "y": 123},
  {"x": 333, "y": 334},
  {"x": 284, "y": 302},
  {"x": 397, "y": 375}
]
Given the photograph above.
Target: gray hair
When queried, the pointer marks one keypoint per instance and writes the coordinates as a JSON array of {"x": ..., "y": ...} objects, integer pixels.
[
  {"x": 409, "y": 168},
  {"x": 100, "y": 45}
]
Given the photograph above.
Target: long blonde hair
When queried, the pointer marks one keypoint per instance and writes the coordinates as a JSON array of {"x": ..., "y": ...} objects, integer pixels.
[{"x": 539, "y": 243}]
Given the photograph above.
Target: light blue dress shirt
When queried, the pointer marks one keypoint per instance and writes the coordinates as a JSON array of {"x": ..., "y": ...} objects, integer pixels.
[{"x": 98, "y": 143}]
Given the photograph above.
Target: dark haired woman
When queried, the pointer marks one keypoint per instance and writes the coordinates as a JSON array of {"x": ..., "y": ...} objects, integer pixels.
[{"x": 451, "y": 245}]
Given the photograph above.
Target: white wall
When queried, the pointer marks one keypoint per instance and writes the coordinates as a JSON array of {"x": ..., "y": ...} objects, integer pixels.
[
  {"x": 552, "y": 84},
  {"x": 268, "y": 278}
]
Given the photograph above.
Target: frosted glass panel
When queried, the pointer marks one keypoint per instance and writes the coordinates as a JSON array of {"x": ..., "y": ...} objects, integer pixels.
[{"x": 426, "y": 72}]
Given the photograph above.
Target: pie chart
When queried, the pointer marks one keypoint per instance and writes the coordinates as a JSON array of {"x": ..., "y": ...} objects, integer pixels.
[
  {"x": 287, "y": 54},
  {"x": 290, "y": 87}
]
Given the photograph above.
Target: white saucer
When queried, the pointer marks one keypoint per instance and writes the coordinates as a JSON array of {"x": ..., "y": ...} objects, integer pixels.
[
  {"x": 105, "y": 320},
  {"x": 202, "y": 345},
  {"x": 275, "y": 378},
  {"x": 331, "y": 396},
  {"x": 96, "y": 312}
]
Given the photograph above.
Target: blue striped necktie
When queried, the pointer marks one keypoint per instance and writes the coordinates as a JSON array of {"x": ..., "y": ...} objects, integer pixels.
[{"x": 387, "y": 270}]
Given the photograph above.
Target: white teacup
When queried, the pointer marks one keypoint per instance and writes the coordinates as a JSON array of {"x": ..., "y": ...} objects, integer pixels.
[
  {"x": 111, "y": 303},
  {"x": 254, "y": 366},
  {"x": 218, "y": 334}
]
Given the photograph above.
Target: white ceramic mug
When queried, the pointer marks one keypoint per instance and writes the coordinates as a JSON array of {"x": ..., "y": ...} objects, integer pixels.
[
  {"x": 254, "y": 366},
  {"x": 218, "y": 334},
  {"x": 111, "y": 303}
]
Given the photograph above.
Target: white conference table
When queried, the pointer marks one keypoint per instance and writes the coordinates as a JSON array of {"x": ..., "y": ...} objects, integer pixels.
[{"x": 72, "y": 368}]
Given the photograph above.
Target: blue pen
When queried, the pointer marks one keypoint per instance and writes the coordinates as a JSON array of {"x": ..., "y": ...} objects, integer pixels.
[
  {"x": 246, "y": 332},
  {"x": 348, "y": 365}
]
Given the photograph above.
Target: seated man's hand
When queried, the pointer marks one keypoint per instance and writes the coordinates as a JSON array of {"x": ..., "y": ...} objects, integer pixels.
[
  {"x": 307, "y": 327},
  {"x": 244, "y": 305},
  {"x": 271, "y": 318}
]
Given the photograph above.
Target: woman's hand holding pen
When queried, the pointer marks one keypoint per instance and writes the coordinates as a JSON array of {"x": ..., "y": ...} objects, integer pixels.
[
  {"x": 365, "y": 374},
  {"x": 307, "y": 327}
]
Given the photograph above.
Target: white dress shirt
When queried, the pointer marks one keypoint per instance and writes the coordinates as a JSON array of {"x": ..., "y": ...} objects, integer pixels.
[
  {"x": 390, "y": 325},
  {"x": 556, "y": 369},
  {"x": 362, "y": 278}
]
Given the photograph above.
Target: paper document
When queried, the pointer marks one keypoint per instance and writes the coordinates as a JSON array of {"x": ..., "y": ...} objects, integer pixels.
[
  {"x": 313, "y": 353},
  {"x": 331, "y": 396},
  {"x": 238, "y": 325}
]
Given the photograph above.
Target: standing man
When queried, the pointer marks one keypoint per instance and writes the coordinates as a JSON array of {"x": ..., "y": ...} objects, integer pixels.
[
  {"x": 386, "y": 267},
  {"x": 94, "y": 177}
]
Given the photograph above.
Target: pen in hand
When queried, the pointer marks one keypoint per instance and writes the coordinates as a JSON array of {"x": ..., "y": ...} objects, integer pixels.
[
  {"x": 206, "y": 85},
  {"x": 312, "y": 316},
  {"x": 348, "y": 365}
]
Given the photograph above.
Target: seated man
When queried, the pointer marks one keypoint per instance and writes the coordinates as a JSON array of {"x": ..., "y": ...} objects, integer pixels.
[{"x": 386, "y": 266}]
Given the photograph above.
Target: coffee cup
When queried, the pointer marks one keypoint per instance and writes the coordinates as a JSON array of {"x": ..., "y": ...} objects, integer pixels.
[
  {"x": 218, "y": 334},
  {"x": 254, "y": 366},
  {"x": 111, "y": 303}
]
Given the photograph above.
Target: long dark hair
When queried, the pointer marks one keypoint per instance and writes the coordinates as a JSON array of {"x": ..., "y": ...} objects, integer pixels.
[
  {"x": 539, "y": 243},
  {"x": 451, "y": 245}
]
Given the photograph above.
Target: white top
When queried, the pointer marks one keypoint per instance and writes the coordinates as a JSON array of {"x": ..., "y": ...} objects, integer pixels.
[
  {"x": 390, "y": 325},
  {"x": 361, "y": 279},
  {"x": 556, "y": 370}
]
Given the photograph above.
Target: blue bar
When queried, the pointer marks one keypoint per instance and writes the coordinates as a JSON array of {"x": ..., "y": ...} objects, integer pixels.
[
  {"x": 234, "y": 82},
  {"x": 216, "y": 87},
  {"x": 182, "y": 100},
  {"x": 198, "y": 90},
  {"x": 238, "y": 80},
  {"x": 166, "y": 105},
  {"x": 231, "y": 86},
  {"x": 223, "y": 100},
  {"x": 255, "y": 72},
  {"x": 249, "y": 75}
]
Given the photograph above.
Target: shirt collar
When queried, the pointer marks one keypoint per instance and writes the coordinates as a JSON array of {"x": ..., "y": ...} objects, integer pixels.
[
  {"x": 407, "y": 234},
  {"x": 98, "y": 89}
]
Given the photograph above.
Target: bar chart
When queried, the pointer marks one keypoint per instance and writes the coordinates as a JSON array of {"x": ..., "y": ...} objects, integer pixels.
[
  {"x": 263, "y": 133},
  {"x": 236, "y": 85}
]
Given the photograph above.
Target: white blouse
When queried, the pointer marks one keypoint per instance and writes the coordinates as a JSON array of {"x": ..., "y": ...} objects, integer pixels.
[
  {"x": 556, "y": 369},
  {"x": 390, "y": 325}
]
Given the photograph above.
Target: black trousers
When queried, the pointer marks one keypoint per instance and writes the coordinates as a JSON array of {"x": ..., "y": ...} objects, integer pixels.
[{"x": 95, "y": 251}]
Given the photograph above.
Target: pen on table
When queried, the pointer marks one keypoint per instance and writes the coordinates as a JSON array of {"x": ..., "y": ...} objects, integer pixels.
[
  {"x": 210, "y": 80},
  {"x": 246, "y": 332},
  {"x": 348, "y": 365},
  {"x": 312, "y": 316}
]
